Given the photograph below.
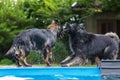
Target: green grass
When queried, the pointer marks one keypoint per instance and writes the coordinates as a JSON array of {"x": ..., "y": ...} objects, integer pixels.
[{"x": 6, "y": 62}]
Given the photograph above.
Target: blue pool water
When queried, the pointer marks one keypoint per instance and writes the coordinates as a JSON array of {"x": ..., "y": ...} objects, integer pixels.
[{"x": 72, "y": 73}]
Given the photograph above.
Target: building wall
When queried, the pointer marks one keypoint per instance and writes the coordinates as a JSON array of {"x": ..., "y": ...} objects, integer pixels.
[{"x": 91, "y": 22}]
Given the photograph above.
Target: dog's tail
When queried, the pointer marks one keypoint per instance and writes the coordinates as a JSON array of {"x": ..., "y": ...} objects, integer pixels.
[
  {"x": 7, "y": 55},
  {"x": 114, "y": 36}
]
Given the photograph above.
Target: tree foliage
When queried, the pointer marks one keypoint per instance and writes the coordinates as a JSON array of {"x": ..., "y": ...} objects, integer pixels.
[
  {"x": 110, "y": 5},
  {"x": 19, "y": 15}
]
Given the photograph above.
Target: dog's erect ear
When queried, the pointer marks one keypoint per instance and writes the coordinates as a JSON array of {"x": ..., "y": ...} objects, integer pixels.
[
  {"x": 55, "y": 21},
  {"x": 67, "y": 25}
]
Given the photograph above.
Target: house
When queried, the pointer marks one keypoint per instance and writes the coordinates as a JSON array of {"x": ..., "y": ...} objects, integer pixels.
[{"x": 102, "y": 23}]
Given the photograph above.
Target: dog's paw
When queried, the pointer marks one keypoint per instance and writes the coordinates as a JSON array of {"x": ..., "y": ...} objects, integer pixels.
[
  {"x": 61, "y": 62},
  {"x": 29, "y": 65},
  {"x": 19, "y": 65},
  {"x": 65, "y": 65}
]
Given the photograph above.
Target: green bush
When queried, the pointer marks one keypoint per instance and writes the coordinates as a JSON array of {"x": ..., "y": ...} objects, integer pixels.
[
  {"x": 35, "y": 58},
  {"x": 59, "y": 52},
  {"x": 6, "y": 61}
]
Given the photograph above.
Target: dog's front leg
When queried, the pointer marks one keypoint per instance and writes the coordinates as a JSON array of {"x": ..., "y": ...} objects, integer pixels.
[
  {"x": 74, "y": 61},
  {"x": 50, "y": 57},
  {"x": 49, "y": 51},
  {"x": 68, "y": 59},
  {"x": 18, "y": 63},
  {"x": 72, "y": 52},
  {"x": 46, "y": 58}
]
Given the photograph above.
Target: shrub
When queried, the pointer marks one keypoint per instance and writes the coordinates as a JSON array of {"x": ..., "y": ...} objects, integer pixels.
[
  {"x": 6, "y": 61},
  {"x": 59, "y": 53}
]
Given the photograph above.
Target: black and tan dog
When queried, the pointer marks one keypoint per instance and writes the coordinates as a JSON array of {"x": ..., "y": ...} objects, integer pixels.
[
  {"x": 42, "y": 40},
  {"x": 87, "y": 46}
]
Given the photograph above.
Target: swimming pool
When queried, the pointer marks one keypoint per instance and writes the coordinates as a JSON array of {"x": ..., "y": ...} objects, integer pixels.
[{"x": 51, "y": 73}]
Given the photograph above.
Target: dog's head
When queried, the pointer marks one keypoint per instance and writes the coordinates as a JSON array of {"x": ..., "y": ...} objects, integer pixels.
[
  {"x": 55, "y": 26},
  {"x": 70, "y": 28}
]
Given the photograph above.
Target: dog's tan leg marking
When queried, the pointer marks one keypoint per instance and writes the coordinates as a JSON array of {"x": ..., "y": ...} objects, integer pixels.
[
  {"x": 25, "y": 62},
  {"x": 66, "y": 59},
  {"x": 18, "y": 63},
  {"x": 17, "y": 53},
  {"x": 48, "y": 56},
  {"x": 23, "y": 58},
  {"x": 97, "y": 60},
  {"x": 46, "y": 60}
]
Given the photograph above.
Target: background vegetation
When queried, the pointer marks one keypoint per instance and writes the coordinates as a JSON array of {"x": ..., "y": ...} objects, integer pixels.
[{"x": 19, "y": 15}]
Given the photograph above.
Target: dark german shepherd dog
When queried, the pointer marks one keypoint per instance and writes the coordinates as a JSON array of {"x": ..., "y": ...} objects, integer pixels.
[
  {"x": 87, "y": 46},
  {"x": 42, "y": 40}
]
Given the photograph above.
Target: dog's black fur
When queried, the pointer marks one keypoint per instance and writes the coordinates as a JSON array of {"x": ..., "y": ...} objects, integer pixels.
[
  {"x": 41, "y": 40},
  {"x": 86, "y": 45}
]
